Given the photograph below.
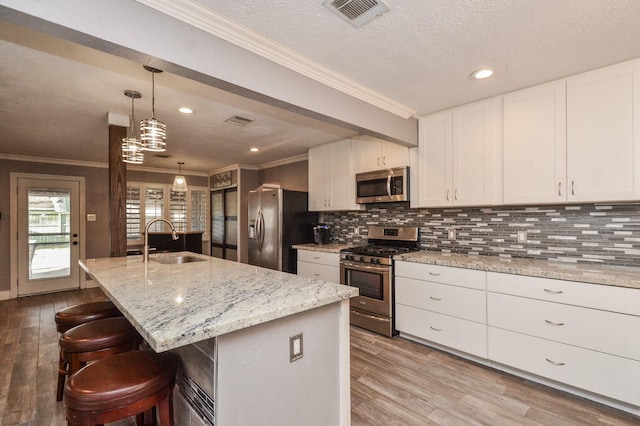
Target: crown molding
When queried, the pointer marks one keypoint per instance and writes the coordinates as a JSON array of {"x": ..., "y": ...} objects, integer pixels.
[
  {"x": 296, "y": 159},
  {"x": 30, "y": 159},
  {"x": 166, "y": 171},
  {"x": 205, "y": 19}
]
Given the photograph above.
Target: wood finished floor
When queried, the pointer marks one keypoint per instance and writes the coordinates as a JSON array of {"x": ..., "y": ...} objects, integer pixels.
[{"x": 393, "y": 381}]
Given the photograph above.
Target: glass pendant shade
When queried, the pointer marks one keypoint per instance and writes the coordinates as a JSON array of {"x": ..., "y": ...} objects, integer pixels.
[
  {"x": 153, "y": 133},
  {"x": 179, "y": 183},
  {"x": 132, "y": 152}
]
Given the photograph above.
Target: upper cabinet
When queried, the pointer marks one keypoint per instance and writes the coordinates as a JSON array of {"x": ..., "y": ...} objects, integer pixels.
[
  {"x": 603, "y": 115},
  {"x": 457, "y": 162},
  {"x": 332, "y": 177},
  {"x": 573, "y": 140},
  {"x": 374, "y": 154},
  {"x": 535, "y": 145}
]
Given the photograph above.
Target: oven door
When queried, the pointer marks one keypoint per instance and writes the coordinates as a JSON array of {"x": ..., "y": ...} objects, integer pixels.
[{"x": 374, "y": 283}]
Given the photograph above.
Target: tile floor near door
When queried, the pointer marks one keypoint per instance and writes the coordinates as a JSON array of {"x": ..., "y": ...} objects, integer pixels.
[{"x": 393, "y": 381}]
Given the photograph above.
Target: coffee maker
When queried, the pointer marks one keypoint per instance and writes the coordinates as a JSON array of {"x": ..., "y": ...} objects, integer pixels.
[{"x": 321, "y": 233}]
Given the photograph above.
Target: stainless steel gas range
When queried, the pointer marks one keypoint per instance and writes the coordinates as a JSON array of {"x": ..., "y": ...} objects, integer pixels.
[{"x": 370, "y": 268}]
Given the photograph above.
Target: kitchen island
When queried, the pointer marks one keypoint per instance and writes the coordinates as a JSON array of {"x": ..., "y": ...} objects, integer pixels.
[{"x": 232, "y": 325}]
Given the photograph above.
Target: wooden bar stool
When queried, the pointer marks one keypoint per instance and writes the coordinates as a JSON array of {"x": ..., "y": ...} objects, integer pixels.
[
  {"x": 75, "y": 315},
  {"x": 93, "y": 341},
  {"x": 121, "y": 386},
  {"x": 79, "y": 314}
]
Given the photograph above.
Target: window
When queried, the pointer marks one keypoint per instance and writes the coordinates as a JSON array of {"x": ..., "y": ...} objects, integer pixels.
[{"x": 145, "y": 201}]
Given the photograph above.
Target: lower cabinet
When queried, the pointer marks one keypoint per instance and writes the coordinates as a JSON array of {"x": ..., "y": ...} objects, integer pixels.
[
  {"x": 442, "y": 305},
  {"x": 322, "y": 265},
  {"x": 570, "y": 333}
]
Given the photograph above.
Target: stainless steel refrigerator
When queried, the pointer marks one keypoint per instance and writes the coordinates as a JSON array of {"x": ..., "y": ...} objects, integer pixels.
[{"x": 278, "y": 219}]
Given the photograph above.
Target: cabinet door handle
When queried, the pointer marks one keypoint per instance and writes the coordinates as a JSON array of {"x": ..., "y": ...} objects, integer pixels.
[
  {"x": 573, "y": 192},
  {"x": 384, "y": 160},
  {"x": 316, "y": 257},
  {"x": 455, "y": 194},
  {"x": 554, "y": 362},
  {"x": 554, "y": 323},
  {"x": 435, "y": 274},
  {"x": 435, "y": 298},
  {"x": 559, "y": 189},
  {"x": 448, "y": 190},
  {"x": 553, "y": 291},
  {"x": 378, "y": 161},
  {"x": 435, "y": 329},
  {"x": 316, "y": 275}
]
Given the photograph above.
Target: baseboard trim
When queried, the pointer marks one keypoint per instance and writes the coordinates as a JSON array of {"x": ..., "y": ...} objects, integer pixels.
[{"x": 5, "y": 295}]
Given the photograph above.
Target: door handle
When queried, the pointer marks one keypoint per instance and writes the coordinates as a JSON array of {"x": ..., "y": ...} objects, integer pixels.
[{"x": 389, "y": 185}]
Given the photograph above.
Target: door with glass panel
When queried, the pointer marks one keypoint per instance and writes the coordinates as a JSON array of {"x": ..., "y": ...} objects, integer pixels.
[{"x": 48, "y": 235}]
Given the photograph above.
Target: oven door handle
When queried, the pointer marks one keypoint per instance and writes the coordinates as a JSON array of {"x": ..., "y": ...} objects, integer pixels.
[{"x": 361, "y": 267}]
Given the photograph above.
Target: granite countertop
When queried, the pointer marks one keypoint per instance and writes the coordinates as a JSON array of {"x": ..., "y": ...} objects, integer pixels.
[
  {"x": 173, "y": 305},
  {"x": 595, "y": 274},
  {"x": 327, "y": 248}
]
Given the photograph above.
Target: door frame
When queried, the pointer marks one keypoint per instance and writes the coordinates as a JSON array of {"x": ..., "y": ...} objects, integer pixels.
[{"x": 13, "y": 226}]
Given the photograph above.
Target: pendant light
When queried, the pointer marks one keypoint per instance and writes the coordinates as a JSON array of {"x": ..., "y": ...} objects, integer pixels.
[
  {"x": 153, "y": 133},
  {"x": 179, "y": 183},
  {"x": 132, "y": 152}
]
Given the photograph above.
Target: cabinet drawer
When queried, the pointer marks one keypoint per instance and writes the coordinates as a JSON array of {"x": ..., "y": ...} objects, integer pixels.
[
  {"x": 321, "y": 272},
  {"x": 332, "y": 259},
  {"x": 460, "y": 302},
  {"x": 602, "y": 331},
  {"x": 600, "y": 373},
  {"x": 459, "y": 334},
  {"x": 469, "y": 278},
  {"x": 605, "y": 297}
]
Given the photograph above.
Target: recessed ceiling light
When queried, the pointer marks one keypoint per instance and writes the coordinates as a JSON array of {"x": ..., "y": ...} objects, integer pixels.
[
  {"x": 254, "y": 149},
  {"x": 185, "y": 110},
  {"x": 482, "y": 73}
]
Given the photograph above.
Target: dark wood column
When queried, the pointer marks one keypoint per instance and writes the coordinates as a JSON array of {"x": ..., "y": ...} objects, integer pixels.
[{"x": 117, "y": 192}]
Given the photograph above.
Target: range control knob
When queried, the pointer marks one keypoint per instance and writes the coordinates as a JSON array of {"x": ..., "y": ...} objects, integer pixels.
[{"x": 362, "y": 258}]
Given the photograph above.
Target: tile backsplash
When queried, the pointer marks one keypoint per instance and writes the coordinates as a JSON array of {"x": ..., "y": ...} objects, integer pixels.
[{"x": 601, "y": 233}]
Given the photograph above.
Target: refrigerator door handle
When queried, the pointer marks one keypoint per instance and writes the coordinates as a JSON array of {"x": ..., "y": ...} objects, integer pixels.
[{"x": 260, "y": 228}]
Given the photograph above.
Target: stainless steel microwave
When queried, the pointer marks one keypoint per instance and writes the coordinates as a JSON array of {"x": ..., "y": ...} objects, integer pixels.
[{"x": 383, "y": 186}]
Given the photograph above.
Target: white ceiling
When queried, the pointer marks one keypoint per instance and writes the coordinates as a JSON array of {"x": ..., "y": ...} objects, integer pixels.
[{"x": 54, "y": 96}]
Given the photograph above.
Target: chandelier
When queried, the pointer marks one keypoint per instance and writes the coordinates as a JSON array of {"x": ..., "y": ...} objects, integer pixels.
[
  {"x": 153, "y": 133},
  {"x": 132, "y": 147}
]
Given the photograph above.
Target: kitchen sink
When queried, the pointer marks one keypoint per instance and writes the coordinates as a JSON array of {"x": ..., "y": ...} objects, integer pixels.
[{"x": 176, "y": 260}]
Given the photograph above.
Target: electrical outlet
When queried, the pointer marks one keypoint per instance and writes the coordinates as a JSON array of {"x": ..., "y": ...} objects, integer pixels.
[
  {"x": 451, "y": 234},
  {"x": 295, "y": 347},
  {"x": 522, "y": 236},
  {"x": 91, "y": 217}
]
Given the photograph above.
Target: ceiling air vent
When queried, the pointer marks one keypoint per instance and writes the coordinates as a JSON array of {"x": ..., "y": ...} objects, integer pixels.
[
  {"x": 238, "y": 121},
  {"x": 357, "y": 12}
]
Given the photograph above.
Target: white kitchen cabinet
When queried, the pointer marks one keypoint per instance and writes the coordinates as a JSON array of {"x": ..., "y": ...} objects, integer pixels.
[
  {"x": 535, "y": 145},
  {"x": 443, "y": 305},
  {"x": 322, "y": 265},
  {"x": 375, "y": 154},
  {"x": 603, "y": 134},
  {"x": 458, "y": 157},
  {"x": 583, "y": 335},
  {"x": 332, "y": 177}
]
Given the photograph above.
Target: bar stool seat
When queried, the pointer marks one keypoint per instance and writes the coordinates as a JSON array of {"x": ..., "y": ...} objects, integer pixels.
[
  {"x": 122, "y": 386},
  {"x": 79, "y": 314},
  {"x": 93, "y": 341}
]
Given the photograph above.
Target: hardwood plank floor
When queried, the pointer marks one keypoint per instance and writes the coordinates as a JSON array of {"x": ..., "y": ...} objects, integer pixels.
[{"x": 393, "y": 381}]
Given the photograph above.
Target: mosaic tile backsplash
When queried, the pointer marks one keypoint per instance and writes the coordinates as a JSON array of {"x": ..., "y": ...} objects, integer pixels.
[{"x": 602, "y": 233}]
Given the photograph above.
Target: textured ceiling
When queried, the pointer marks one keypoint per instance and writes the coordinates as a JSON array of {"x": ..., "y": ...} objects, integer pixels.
[
  {"x": 54, "y": 96},
  {"x": 422, "y": 52}
]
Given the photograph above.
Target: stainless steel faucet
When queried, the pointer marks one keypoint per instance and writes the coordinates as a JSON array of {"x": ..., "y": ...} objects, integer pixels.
[{"x": 145, "y": 249}]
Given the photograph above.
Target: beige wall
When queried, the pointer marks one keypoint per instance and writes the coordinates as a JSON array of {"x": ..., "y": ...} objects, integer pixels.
[{"x": 292, "y": 176}]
